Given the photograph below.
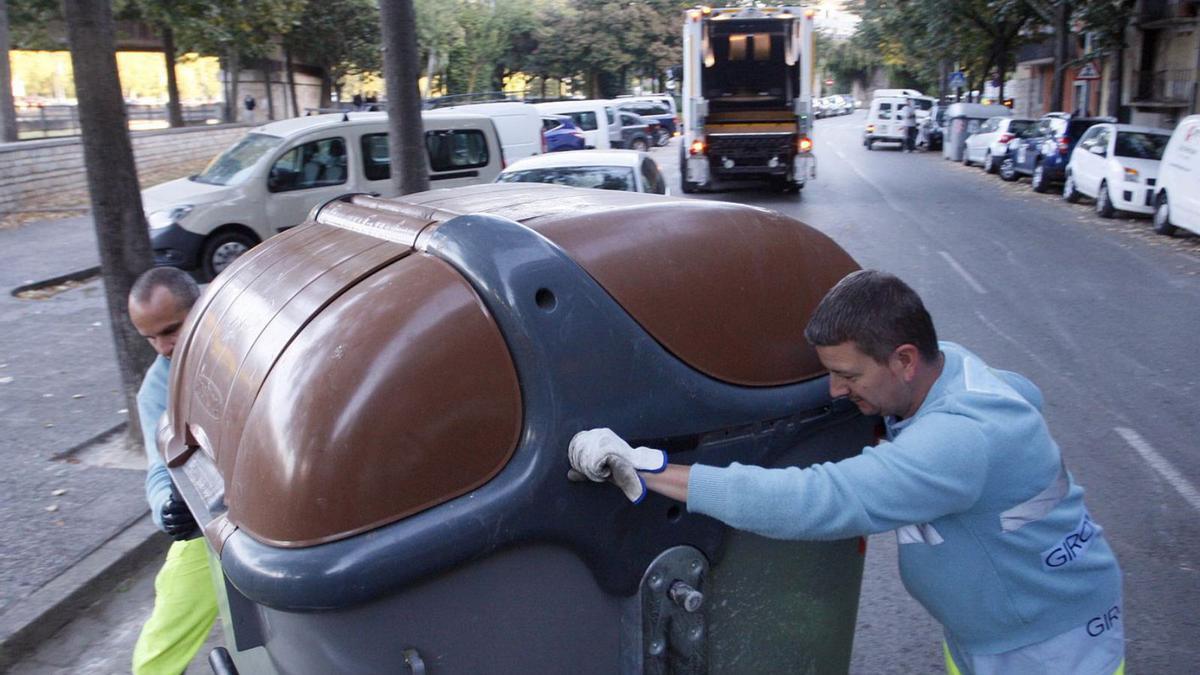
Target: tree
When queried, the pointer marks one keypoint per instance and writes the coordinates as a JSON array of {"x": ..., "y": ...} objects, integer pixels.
[
  {"x": 342, "y": 38},
  {"x": 1107, "y": 21},
  {"x": 401, "y": 69},
  {"x": 120, "y": 224},
  {"x": 8, "y": 111}
]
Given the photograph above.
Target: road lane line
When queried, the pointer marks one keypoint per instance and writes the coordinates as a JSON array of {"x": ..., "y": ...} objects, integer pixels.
[
  {"x": 963, "y": 273},
  {"x": 1160, "y": 464}
]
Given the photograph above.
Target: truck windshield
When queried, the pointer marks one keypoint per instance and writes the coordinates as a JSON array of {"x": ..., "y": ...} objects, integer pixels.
[
  {"x": 1141, "y": 145},
  {"x": 233, "y": 166},
  {"x": 603, "y": 177}
]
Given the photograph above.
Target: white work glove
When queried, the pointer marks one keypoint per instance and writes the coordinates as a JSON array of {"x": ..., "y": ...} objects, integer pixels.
[{"x": 600, "y": 455}]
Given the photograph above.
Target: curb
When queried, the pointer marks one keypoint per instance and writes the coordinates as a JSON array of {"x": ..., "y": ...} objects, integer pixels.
[
  {"x": 35, "y": 619},
  {"x": 77, "y": 275}
]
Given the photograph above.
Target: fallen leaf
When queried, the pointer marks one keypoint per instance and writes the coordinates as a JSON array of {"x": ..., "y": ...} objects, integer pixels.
[
  {"x": 6, "y": 380},
  {"x": 59, "y": 492},
  {"x": 47, "y": 395},
  {"x": 48, "y": 425},
  {"x": 123, "y": 411},
  {"x": 77, "y": 396},
  {"x": 52, "y": 508}
]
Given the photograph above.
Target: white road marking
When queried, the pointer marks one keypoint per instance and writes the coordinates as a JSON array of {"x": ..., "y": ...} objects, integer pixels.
[
  {"x": 963, "y": 273},
  {"x": 1160, "y": 464}
]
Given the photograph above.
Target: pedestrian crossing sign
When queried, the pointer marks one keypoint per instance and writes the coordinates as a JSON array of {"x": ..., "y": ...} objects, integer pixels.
[{"x": 1089, "y": 71}]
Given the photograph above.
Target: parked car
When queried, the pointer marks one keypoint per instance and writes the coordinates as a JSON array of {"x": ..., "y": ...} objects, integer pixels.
[
  {"x": 884, "y": 120},
  {"x": 637, "y": 132},
  {"x": 271, "y": 179},
  {"x": 1117, "y": 164},
  {"x": 668, "y": 123},
  {"x": 626, "y": 170},
  {"x": 562, "y": 134},
  {"x": 518, "y": 125},
  {"x": 1043, "y": 154},
  {"x": 1177, "y": 202},
  {"x": 989, "y": 146},
  {"x": 596, "y": 118}
]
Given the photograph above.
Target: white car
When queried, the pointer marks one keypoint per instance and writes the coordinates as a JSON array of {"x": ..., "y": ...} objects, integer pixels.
[
  {"x": 988, "y": 146},
  {"x": 625, "y": 170},
  {"x": 1117, "y": 165},
  {"x": 1177, "y": 202}
]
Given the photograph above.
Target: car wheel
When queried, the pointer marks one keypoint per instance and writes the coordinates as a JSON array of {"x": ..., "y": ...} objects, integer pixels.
[
  {"x": 989, "y": 163},
  {"x": 638, "y": 144},
  {"x": 1162, "y": 216},
  {"x": 1008, "y": 169},
  {"x": 1038, "y": 182},
  {"x": 221, "y": 249},
  {"x": 870, "y": 144},
  {"x": 662, "y": 137},
  {"x": 1069, "y": 192},
  {"x": 1104, "y": 205}
]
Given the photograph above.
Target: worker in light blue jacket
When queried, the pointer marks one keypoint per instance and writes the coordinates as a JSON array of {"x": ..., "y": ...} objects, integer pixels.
[{"x": 995, "y": 539}]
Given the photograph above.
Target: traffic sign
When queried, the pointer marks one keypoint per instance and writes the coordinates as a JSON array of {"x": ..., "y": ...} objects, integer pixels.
[
  {"x": 1089, "y": 71},
  {"x": 958, "y": 80}
]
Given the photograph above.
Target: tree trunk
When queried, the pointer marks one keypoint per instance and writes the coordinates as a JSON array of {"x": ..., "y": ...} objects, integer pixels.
[
  {"x": 112, "y": 180},
  {"x": 265, "y": 68},
  {"x": 401, "y": 70},
  {"x": 8, "y": 111},
  {"x": 1062, "y": 40},
  {"x": 326, "y": 89},
  {"x": 291, "y": 81},
  {"x": 233, "y": 74},
  {"x": 1115, "y": 92},
  {"x": 174, "y": 110},
  {"x": 1001, "y": 67}
]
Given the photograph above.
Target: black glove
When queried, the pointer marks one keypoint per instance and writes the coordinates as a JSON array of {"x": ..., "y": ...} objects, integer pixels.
[{"x": 176, "y": 519}]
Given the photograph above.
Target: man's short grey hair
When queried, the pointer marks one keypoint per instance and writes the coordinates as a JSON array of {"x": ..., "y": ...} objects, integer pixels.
[
  {"x": 181, "y": 285},
  {"x": 876, "y": 311}
]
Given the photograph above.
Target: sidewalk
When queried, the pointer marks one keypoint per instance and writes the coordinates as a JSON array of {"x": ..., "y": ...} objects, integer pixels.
[{"x": 64, "y": 522}]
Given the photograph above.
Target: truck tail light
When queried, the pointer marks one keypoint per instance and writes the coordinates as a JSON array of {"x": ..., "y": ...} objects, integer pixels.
[
  {"x": 1064, "y": 145},
  {"x": 804, "y": 144},
  {"x": 697, "y": 147}
]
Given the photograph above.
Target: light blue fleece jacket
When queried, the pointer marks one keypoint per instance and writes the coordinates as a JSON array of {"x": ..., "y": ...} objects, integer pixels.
[
  {"x": 995, "y": 540},
  {"x": 152, "y": 403}
]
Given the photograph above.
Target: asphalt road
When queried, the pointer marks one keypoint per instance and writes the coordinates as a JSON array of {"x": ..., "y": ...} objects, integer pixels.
[{"x": 1102, "y": 315}]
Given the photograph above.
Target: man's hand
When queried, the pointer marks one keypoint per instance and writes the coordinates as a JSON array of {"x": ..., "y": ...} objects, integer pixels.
[
  {"x": 177, "y": 520},
  {"x": 600, "y": 455}
]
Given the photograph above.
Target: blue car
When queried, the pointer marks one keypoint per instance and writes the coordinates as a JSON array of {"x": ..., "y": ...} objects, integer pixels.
[
  {"x": 561, "y": 133},
  {"x": 1042, "y": 151}
]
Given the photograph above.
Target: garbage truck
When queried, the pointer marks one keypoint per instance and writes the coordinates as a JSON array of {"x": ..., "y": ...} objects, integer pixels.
[
  {"x": 747, "y": 97},
  {"x": 369, "y": 415}
]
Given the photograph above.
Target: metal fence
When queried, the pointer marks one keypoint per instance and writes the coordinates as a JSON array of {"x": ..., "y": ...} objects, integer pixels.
[
  {"x": 46, "y": 121},
  {"x": 1169, "y": 86}
]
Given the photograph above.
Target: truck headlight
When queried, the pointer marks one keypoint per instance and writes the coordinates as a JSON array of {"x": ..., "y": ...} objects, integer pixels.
[{"x": 167, "y": 217}]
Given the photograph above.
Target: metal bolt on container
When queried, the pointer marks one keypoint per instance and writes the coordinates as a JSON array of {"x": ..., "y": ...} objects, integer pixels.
[{"x": 369, "y": 415}]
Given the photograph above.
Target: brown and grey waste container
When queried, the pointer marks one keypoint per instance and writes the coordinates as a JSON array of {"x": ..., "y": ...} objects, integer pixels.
[{"x": 369, "y": 416}]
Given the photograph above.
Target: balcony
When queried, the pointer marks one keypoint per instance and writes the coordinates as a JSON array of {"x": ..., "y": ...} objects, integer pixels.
[
  {"x": 1159, "y": 13},
  {"x": 1165, "y": 87}
]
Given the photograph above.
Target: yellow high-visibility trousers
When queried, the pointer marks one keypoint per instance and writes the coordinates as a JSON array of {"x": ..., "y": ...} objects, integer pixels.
[{"x": 185, "y": 606}]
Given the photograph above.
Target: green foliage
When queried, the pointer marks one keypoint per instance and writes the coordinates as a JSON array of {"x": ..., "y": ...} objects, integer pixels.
[
  {"x": 36, "y": 24},
  {"x": 342, "y": 37}
]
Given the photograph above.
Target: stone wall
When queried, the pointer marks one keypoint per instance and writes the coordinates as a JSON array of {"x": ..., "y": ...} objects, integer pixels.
[{"x": 33, "y": 173}]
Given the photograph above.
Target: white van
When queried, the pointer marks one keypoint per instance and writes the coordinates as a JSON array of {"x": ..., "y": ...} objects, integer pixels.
[
  {"x": 519, "y": 126},
  {"x": 596, "y": 118},
  {"x": 269, "y": 180},
  {"x": 1177, "y": 203},
  {"x": 885, "y": 121}
]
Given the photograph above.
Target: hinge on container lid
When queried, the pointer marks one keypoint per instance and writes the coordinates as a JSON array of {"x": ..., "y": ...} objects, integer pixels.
[{"x": 674, "y": 630}]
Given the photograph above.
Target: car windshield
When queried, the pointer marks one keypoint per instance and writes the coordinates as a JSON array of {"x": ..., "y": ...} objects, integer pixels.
[
  {"x": 233, "y": 165},
  {"x": 1141, "y": 145},
  {"x": 603, "y": 177},
  {"x": 1017, "y": 126},
  {"x": 923, "y": 104}
]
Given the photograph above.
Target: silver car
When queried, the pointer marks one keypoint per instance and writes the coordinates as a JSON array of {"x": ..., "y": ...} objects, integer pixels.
[{"x": 988, "y": 146}]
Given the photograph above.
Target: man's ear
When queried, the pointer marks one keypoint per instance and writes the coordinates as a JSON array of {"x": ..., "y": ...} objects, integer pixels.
[{"x": 906, "y": 358}]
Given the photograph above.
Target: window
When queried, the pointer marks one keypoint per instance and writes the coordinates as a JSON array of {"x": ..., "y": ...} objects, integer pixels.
[
  {"x": 885, "y": 111},
  {"x": 1018, "y": 126},
  {"x": 603, "y": 177},
  {"x": 550, "y": 124},
  {"x": 585, "y": 120},
  {"x": 647, "y": 108},
  {"x": 311, "y": 165},
  {"x": 630, "y": 120},
  {"x": 233, "y": 165},
  {"x": 452, "y": 150},
  {"x": 1089, "y": 139},
  {"x": 376, "y": 163},
  {"x": 1141, "y": 145},
  {"x": 609, "y": 112}
]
